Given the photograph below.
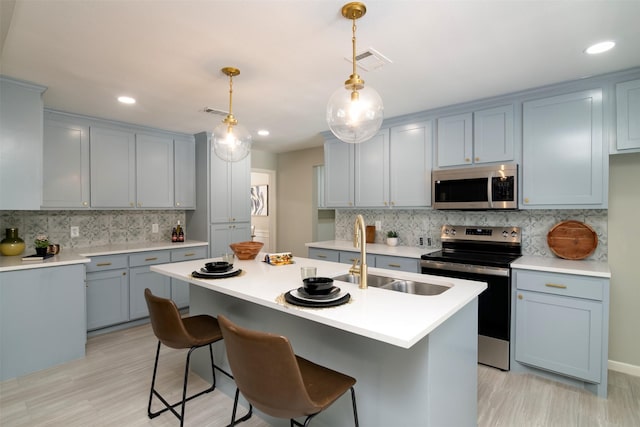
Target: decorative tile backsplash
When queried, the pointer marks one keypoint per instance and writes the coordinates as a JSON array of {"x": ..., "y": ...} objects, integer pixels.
[
  {"x": 535, "y": 224},
  {"x": 96, "y": 227}
]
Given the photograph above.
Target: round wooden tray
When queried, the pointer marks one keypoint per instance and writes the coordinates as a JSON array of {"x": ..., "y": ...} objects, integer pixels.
[{"x": 572, "y": 240}]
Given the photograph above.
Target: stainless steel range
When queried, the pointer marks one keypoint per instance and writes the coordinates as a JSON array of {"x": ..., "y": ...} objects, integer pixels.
[{"x": 483, "y": 254}]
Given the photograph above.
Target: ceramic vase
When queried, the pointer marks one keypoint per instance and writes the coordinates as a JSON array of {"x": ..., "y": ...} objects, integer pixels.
[{"x": 12, "y": 244}]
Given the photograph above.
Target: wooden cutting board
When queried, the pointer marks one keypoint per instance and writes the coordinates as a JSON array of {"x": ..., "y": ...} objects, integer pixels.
[{"x": 572, "y": 240}]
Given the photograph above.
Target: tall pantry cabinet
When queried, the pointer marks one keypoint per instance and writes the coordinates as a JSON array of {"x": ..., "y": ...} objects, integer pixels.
[{"x": 223, "y": 213}]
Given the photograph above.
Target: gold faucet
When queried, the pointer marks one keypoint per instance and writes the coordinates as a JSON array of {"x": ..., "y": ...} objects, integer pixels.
[{"x": 360, "y": 240}]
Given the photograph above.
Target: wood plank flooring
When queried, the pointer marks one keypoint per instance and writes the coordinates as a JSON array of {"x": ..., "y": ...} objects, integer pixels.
[{"x": 110, "y": 386}]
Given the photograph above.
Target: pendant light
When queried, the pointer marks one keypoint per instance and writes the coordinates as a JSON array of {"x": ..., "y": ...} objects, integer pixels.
[
  {"x": 231, "y": 142},
  {"x": 354, "y": 112}
]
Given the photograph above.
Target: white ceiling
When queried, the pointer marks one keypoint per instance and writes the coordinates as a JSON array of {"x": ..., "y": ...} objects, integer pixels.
[{"x": 168, "y": 55}]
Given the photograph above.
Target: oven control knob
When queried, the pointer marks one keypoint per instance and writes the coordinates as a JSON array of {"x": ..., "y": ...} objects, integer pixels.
[
  {"x": 514, "y": 234},
  {"x": 453, "y": 231},
  {"x": 505, "y": 234}
]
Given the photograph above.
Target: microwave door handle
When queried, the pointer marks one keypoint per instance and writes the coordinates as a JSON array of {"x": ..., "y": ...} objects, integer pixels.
[{"x": 489, "y": 190}]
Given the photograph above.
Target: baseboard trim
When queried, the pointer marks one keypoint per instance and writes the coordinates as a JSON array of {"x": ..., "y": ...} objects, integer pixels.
[{"x": 625, "y": 368}]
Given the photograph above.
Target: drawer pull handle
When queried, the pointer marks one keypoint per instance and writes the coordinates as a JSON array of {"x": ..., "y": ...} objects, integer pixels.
[
  {"x": 151, "y": 259},
  {"x": 394, "y": 265},
  {"x": 103, "y": 264},
  {"x": 555, "y": 285},
  {"x": 322, "y": 256},
  {"x": 190, "y": 254}
]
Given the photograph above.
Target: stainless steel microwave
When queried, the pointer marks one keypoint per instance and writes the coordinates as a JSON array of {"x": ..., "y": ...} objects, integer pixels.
[{"x": 479, "y": 188}]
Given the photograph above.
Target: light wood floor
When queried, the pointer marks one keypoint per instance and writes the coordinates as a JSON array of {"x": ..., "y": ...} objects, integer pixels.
[{"x": 109, "y": 387}]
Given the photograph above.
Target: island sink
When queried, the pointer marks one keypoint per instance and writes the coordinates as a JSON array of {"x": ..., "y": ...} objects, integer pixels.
[{"x": 398, "y": 285}]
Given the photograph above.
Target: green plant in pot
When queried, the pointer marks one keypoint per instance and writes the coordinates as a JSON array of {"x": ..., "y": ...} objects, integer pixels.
[
  {"x": 392, "y": 238},
  {"x": 41, "y": 243}
]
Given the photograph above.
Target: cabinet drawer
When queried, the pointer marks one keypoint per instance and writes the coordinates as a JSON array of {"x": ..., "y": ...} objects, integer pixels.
[
  {"x": 348, "y": 257},
  {"x": 149, "y": 258},
  {"x": 187, "y": 254},
  {"x": 397, "y": 263},
  {"x": 323, "y": 254},
  {"x": 561, "y": 284},
  {"x": 107, "y": 262}
]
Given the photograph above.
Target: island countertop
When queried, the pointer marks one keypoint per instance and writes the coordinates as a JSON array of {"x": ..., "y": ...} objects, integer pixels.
[{"x": 391, "y": 317}]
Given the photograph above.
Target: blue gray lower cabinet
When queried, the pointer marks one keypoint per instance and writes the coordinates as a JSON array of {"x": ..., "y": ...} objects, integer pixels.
[
  {"x": 373, "y": 260},
  {"x": 561, "y": 326},
  {"x": 42, "y": 318},
  {"x": 116, "y": 283}
]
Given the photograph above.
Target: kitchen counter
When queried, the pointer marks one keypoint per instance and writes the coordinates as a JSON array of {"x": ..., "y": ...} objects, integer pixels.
[
  {"x": 375, "y": 248},
  {"x": 559, "y": 265},
  {"x": 414, "y": 357},
  {"x": 83, "y": 255}
]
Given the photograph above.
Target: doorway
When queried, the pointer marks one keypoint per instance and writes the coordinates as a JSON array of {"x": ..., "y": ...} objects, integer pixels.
[{"x": 263, "y": 212}]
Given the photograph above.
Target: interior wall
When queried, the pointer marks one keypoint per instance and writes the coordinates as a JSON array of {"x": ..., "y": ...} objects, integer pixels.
[
  {"x": 295, "y": 199},
  {"x": 624, "y": 254}
]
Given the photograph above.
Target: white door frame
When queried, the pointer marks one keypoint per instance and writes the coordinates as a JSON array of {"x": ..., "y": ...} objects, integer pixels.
[{"x": 272, "y": 207}]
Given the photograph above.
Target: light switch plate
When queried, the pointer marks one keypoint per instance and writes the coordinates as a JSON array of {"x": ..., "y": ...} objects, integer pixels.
[
  {"x": 75, "y": 231},
  {"x": 154, "y": 228},
  {"x": 378, "y": 225}
]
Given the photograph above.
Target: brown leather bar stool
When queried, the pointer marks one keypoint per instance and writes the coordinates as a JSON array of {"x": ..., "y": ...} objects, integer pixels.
[
  {"x": 177, "y": 332},
  {"x": 276, "y": 381}
]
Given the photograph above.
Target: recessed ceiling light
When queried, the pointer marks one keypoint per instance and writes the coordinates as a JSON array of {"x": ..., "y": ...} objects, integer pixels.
[
  {"x": 126, "y": 100},
  {"x": 600, "y": 47},
  {"x": 263, "y": 132}
]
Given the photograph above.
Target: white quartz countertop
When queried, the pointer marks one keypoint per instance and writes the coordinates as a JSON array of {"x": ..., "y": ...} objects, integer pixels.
[
  {"x": 558, "y": 265},
  {"x": 83, "y": 255},
  {"x": 392, "y": 317},
  {"x": 374, "y": 248}
]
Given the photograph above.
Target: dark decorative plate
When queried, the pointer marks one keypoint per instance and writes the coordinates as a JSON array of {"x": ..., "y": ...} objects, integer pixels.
[
  {"x": 201, "y": 275},
  {"x": 217, "y": 271},
  {"x": 330, "y": 294},
  {"x": 316, "y": 304}
]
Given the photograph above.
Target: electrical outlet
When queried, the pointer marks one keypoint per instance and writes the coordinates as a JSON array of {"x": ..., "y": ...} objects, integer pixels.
[
  {"x": 378, "y": 225},
  {"x": 75, "y": 231},
  {"x": 421, "y": 241},
  {"x": 154, "y": 228}
]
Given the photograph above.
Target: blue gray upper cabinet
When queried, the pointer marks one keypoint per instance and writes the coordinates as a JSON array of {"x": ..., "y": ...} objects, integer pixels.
[
  {"x": 565, "y": 162},
  {"x": 484, "y": 136},
  {"x": 628, "y": 116}
]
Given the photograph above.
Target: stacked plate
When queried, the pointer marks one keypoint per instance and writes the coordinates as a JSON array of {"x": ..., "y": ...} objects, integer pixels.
[
  {"x": 317, "y": 292},
  {"x": 216, "y": 270}
]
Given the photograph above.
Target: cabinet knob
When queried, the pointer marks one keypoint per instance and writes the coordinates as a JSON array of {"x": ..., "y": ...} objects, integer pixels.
[
  {"x": 467, "y": 159},
  {"x": 139, "y": 204},
  {"x": 385, "y": 203},
  {"x": 177, "y": 203},
  {"x": 526, "y": 200},
  {"x": 477, "y": 159},
  {"x": 393, "y": 203},
  {"x": 131, "y": 204},
  {"x": 85, "y": 203},
  {"x": 519, "y": 296}
]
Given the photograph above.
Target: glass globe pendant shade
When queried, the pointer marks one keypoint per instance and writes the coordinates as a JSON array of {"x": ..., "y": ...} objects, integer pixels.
[
  {"x": 231, "y": 143},
  {"x": 355, "y": 120}
]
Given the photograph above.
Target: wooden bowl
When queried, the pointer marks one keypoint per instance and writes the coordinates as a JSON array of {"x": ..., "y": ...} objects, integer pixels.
[{"x": 246, "y": 250}]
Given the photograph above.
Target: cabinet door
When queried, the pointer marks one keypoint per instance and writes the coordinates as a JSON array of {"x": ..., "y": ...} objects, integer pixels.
[
  {"x": 230, "y": 190},
  {"x": 224, "y": 234},
  {"x": 455, "y": 140},
  {"x": 628, "y": 115},
  {"x": 21, "y": 122},
  {"x": 339, "y": 174},
  {"x": 154, "y": 171},
  {"x": 559, "y": 334},
  {"x": 372, "y": 171},
  {"x": 141, "y": 278},
  {"x": 240, "y": 190},
  {"x": 184, "y": 154},
  {"x": 493, "y": 135},
  {"x": 113, "y": 168},
  {"x": 410, "y": 165},
  {"x": 107, "y": 298},
  {"x": 564, "y": 162},
  {"x": 66, "y": 164}
]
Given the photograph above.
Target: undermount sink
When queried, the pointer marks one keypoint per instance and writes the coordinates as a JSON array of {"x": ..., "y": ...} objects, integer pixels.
[
  {"x": 398, "y": 285},
  {"x": 372, "y": 280}
]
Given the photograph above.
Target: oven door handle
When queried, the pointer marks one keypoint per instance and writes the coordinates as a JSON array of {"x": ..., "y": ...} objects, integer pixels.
[
  {"x": 466, "y": 268},
  {"x": 490, "y": 190}
]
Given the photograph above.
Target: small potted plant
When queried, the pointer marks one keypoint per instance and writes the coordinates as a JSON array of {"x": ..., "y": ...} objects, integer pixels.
[
  {"x": 392, "y": 238},
  {"x": 42, "y": 244}
]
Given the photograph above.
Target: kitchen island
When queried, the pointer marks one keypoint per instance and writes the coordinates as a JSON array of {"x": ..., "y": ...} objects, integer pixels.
[{"x": 414, "y": 357}]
